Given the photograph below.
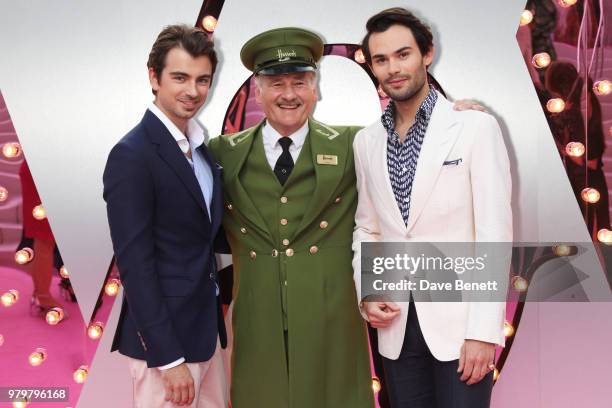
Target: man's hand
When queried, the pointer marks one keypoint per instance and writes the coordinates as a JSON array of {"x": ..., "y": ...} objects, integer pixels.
[
  {"x": 476, "y": 360},
  {"x": 467, "y": 104},
  {"x": 178, "y": 384},
  {"x": 381, "y": 314}
]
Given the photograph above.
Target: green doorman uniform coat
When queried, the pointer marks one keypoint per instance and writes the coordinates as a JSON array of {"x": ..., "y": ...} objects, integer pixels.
[{"x": 291, "y": 249}]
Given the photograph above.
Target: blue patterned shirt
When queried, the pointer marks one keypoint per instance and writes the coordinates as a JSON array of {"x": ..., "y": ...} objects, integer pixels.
[{"x": 402, "y": 157}]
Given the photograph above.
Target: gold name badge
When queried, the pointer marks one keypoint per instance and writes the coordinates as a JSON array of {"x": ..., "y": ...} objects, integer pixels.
[{"x": 328, "y": 159}]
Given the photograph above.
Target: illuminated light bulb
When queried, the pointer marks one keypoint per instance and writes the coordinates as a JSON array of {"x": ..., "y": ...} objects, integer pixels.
[
  {"x": 555, "y": 105},
  {"x": 20, "y": 403},
  {"x": 520, "y": 284},
  {"x": 566, "y": 3},
  {"x": 24, "y": 255},
  {"x": 495, "y": 374},
  {"x": 112, "y": 287},
  {"x": 95, "y": 330},
  {"x": 80, "y": 374},
  {"x": 376, "y": 385},
  {"x": 604, "y": 235},
  {"x": 574, "y": 149},
  {"x": 541, "y": 60},
  {"x": 590, "y": 195},
  {"x": 39, "y": 212},
  {"x": 1, "y": 340},
  {"x": 562, "y": 250},
  {"x": 359, "y": 56},
  {"x": 3, "y": 194},
  {"x": 63, "y": 271},
  {"x": 11, "y": 150},
  {"x": 54, "y": 316},
  {"x": 508, "y": 329},
  {"x": 209, "y": 23},
  {"x": 10, "y": 298},
  {"x": 603, "y": 87},
  {"x": 37, "y": 357},
  {"x": 526, "y": 17}
]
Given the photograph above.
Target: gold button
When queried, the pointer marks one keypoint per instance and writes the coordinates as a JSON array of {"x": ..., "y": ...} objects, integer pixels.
[
  {"x": 289, "y": 252},
  {"x": 283, "y": 200},
  {"x": 314, "y": 249},
  {"x": 253, "y": 254},
  {"x": 323, "y": 224},
  {"x": 337, "y": 200},
  {"x": 243, "y": 230},
  {"x": 229, "y": 206},
  {"x": 284, "y": 221},
  {"x": 285, "y": 242},
  {"x": 274, "y": 253},
  {"x": 285, "y": 283}
]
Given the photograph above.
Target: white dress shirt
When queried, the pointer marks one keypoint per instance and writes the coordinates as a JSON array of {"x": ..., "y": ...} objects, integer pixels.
[
  {"x": 273, "y": 149},
  {"x": 203, "y": 173}
]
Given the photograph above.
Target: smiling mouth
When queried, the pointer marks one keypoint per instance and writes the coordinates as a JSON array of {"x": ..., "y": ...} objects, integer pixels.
[
  {"x": 396, "y": 81},
  {"x": 292, "y": 106},
  {"x": 189, "y": 103}
]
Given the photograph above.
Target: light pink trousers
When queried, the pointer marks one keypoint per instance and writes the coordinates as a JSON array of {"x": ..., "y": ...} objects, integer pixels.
[{"x": 210, "y": 382}]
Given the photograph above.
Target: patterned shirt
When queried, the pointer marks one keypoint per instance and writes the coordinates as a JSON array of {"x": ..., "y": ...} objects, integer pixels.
[{"x": 402, "y": 157}]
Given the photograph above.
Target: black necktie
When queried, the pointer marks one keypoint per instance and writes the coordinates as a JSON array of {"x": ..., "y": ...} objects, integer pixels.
[{"x": 284, "y": 164}]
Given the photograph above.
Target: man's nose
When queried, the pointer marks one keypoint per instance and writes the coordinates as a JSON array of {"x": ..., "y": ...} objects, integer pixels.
[
  {"x": 191, "y": 89},
  {"x": 394, "y": 66}
]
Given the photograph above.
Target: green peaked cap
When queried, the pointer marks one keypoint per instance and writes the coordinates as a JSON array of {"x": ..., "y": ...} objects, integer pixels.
[{"x": 281, "y": 51}]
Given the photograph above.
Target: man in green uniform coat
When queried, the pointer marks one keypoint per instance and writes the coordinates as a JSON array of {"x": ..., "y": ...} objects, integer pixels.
[{"x": 290, "y": 200}]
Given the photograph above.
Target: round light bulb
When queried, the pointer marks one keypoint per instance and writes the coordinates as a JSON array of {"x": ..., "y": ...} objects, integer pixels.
[
  {"x": 541, "y": 60},
  {"x": 95, "y": 330},
  {"x": 376, "y": 385},
  {"x": 3, "y": 194},
  {"x": 80, "y": 374},
  {"x": 574, "y": 149},
  {"x": 11, "y": 150},
  {"x": 1, "y": 340},
  {"x": 24, "y": 255},
  {"x": 359, "y": 56},
  {"x": 54, "y": 316},
  {"x": 520, "y": 284},
  {"x": 562, "y": 250},
  {"x": 508, "y": 329},
  {"x": 603, "y": 87},
  {"x": 37, "y": 357},
  {"x": 526, "y": 17},
  {"x": 63, "y": 271},
  {"x": 112, "y": 287},
  {"x": 39, "y": 213},
  {"x": 590, "y": 195},
  {"x": 20, "y": 403},
  {"x": 604, "y": 236},
  {"x": 209, "y": 23},
  {"x": 9, "y": 298},
  {"x": 566, "y": 3},
  {"x": 555, "y": 105}
]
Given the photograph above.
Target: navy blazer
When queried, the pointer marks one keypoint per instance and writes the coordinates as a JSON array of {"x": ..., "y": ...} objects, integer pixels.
[{"x": 164, "y": 247}]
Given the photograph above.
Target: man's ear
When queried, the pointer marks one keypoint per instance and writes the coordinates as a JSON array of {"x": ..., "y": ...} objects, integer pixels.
[
  {"x": 429, "y": 56},
  {"x": 153, "y": 80}
]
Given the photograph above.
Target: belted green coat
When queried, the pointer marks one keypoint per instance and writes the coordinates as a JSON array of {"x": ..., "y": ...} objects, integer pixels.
[{"x": 291, "y": 250}]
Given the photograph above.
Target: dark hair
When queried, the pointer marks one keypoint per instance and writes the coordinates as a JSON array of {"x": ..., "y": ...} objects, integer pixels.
[
  {"x": 192, "y": 39},
  {"x": 382, "y": 21}
]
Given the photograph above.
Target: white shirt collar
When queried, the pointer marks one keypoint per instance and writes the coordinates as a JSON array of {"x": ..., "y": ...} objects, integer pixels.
[
  {"x": 271, "y": 136},
  {"x": 195, "y": 134}
]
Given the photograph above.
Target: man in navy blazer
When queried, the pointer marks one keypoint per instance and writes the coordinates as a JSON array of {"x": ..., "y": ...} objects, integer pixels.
[{"x": 163, "y": 195}]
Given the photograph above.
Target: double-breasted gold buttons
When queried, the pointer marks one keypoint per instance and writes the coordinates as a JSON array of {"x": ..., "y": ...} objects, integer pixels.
[
  {"x": 337, "y": 200},
  {"x": 229, "y": 206},
  {"x": 274, "y": 253},
  {"x": 323, "y": 224},
  {"x": 284, "y": 221},
  {"x": 289, "y": 252},
  {"x": 314, "y": 249},
  {"x": 243, "y": 230},
  {"x": 285, "y": 242},
  {"x": 283, "y": 200},
  {"x": 253, "y": 254}
]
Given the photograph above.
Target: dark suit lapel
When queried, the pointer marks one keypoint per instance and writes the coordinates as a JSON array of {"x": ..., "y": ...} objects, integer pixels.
[
  {"x": 169, "y": 151},
  {"x": 240, "y": 147},
  {"x": 326, "y": 150},
  {"x": 216, "y": 205}
]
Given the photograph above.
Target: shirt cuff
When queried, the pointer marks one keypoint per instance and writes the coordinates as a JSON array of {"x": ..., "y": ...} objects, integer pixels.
[{"x": 172, "y": 364}]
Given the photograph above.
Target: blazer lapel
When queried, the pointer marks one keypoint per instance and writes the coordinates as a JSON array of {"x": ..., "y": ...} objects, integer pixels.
[
  {"x": 240, "y": 146},
  {"x": 327, "y": 175},
  {"x": 440, "y": 137},
  {"x": 216, "y": 205},
  {"x": 169, "y": 151}
]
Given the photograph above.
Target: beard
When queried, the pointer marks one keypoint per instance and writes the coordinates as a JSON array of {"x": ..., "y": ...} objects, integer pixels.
[{"x": 412, "y": 88}]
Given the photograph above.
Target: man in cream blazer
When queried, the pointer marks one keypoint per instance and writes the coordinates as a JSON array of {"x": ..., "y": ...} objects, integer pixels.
[{"x": 428, "y": 173}]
